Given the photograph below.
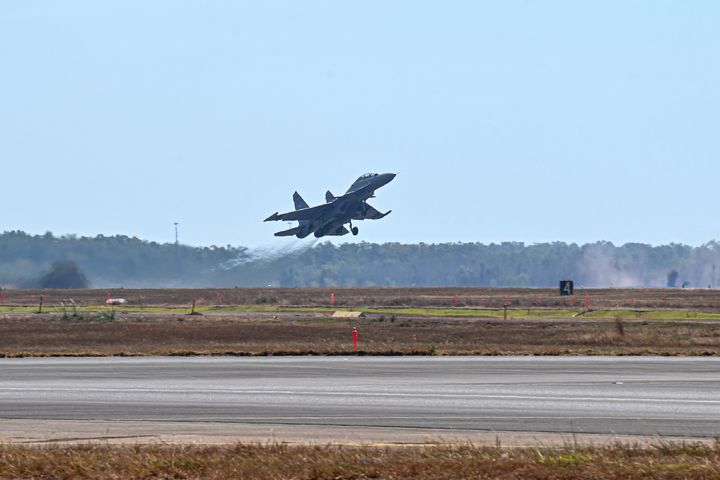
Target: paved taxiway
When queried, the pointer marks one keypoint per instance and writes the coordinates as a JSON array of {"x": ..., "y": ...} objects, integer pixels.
[{"x": 595, "y": 395}]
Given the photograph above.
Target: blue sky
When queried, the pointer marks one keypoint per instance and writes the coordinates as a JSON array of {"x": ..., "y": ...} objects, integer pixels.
[{"x": 507, "y": 121}]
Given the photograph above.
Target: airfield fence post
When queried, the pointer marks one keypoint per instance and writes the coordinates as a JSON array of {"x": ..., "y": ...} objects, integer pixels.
[
  {"x": 41, "y": 304},
  {"x": 192, "y": 311},
  {"x": 505, "y": 306}
]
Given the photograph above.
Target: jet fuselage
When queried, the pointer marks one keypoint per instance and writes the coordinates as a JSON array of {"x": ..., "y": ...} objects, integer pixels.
[{"x": 330, "y": 219}]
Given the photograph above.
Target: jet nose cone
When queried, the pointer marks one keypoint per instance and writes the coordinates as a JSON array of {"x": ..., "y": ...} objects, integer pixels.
[{"x": 382, "y": 179}]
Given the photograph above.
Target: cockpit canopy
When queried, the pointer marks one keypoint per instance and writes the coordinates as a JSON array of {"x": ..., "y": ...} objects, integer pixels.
[{"x": 366, "y": 176}]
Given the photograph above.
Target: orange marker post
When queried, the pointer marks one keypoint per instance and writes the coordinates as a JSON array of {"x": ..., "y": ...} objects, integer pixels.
[
  {"x": 455, "y": 299},
  {"x": 587, "y": 302},
  {"x": 332, "y": 297},
  {"x": 355, "y": 339}
]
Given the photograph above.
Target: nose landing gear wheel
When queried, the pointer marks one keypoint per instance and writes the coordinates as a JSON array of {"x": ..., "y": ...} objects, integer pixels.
[{"x": 354, "y": 230}]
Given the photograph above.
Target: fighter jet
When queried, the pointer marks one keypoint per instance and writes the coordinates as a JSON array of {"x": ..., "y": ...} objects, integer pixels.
[{"x": 330, "y": 218}]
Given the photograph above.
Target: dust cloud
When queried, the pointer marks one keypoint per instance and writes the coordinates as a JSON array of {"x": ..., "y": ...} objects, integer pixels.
[{"x": 599, "y": 269}]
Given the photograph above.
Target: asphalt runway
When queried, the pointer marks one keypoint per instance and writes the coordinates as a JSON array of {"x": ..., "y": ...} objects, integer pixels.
[{"x": 668, "y": 396}]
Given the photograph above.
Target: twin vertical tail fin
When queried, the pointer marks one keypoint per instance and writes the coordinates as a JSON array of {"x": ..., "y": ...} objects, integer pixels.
[
  {"x": 299, "y": 202},
  {"x": 329, "y": 197}
]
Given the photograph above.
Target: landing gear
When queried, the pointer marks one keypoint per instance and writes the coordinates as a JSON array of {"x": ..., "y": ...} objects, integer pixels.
[{"x": 354, "y": 230}]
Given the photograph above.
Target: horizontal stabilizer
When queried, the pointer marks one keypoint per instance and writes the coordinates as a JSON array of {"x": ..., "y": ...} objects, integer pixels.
[
  {"x": 329, "y": 197},
  {"x": 288, "y": 233},
  {"x": 299, "y": 202},
  {"x": 272, "y": 217}
]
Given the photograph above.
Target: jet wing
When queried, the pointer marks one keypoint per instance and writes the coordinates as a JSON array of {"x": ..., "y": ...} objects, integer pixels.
[
  {"x": 370, "y": 213},
  {"x": 310, "y": 213}
]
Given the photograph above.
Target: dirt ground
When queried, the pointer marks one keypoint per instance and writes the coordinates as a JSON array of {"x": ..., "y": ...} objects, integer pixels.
[{"x": 302, "y": 334}]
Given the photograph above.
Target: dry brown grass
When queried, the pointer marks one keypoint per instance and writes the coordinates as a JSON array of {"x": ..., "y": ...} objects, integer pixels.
[
  {"x": 664, "y": 461},
  {"x": 163, "y": 334}
]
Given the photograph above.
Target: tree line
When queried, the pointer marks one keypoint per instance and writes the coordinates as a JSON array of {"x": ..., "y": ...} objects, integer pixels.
[
  {"x": 113, "y": 261},
  {"x": 27, "y": 260},
  {"x": 507, "y": 264}
]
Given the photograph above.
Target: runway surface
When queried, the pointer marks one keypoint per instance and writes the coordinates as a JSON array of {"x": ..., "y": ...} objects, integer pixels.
[{"x": 666, "y": 396}]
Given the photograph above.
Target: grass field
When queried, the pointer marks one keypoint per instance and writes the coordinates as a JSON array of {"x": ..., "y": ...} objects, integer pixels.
[
  {"x": 300, "y": 333},
  {"x": 440, "y": 312},
  {"x": 680, "y": 299},
  {"x": 662, "y": 461},
  {"x": 399, "y": 321}
]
